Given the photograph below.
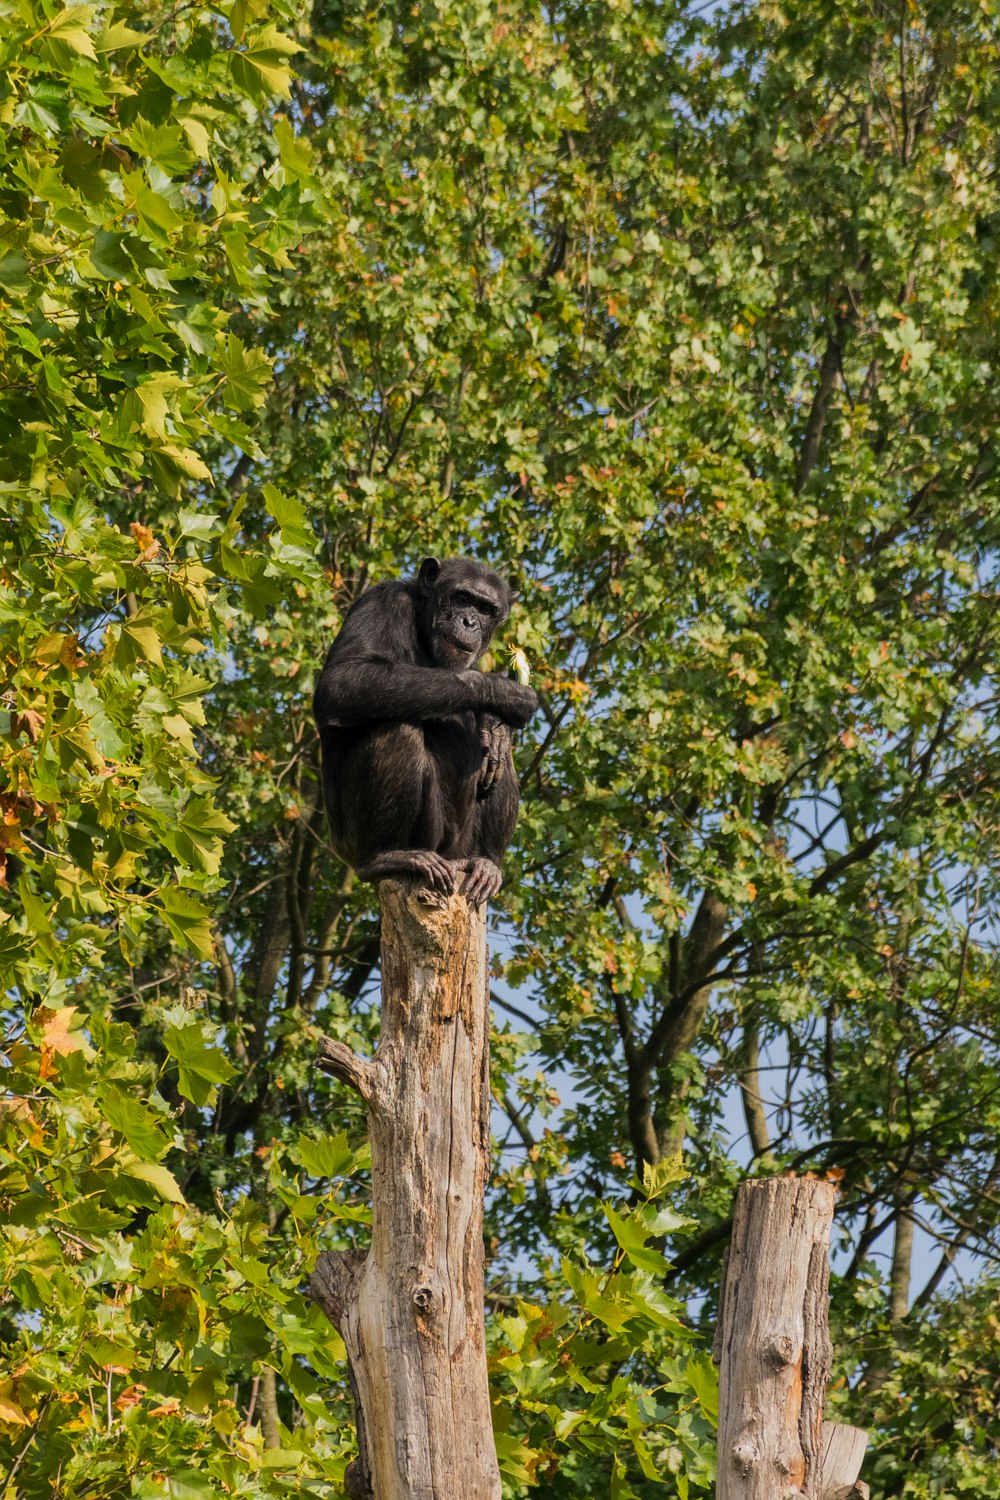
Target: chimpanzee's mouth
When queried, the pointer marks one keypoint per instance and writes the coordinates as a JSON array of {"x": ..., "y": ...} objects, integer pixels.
[{"x": 453, "y": 647}]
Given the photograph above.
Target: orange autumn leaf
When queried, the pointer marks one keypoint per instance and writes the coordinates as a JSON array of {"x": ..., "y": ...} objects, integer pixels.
[
  {"x": 56, "y": 1036},
  {"x": 145, "y": 540}
]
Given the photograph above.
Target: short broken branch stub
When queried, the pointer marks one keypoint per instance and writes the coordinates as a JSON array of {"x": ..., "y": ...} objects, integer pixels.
[
  {"x": 334, "y": 1282},
  {"x": 338, "y": 1059}
]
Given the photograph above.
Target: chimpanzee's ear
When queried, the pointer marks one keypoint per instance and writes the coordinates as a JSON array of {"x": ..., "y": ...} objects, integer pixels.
[{"x": 427, "y": 577}]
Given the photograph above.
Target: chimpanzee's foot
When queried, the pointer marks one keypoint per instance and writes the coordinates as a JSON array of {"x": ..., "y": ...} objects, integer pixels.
[
  {"x": 482, "y": 878},
  {"x": 436, "y": 872}
]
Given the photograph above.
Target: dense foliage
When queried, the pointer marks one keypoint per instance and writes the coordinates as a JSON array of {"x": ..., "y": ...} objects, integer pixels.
[{"x": 687, "y": 319}]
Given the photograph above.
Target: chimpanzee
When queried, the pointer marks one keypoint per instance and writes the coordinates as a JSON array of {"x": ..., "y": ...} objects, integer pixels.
[{"x": 417, "y": 769}]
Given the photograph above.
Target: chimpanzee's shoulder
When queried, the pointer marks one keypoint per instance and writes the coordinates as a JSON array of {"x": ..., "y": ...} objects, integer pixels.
[
  {"x": 394, "y": 591},
  {"x": 380, "y": 625}
]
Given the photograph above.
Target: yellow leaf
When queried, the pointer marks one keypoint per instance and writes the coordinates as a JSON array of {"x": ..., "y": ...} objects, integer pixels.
[
  {"x": 158, "y": 1177},
  {"x": 519, "y": 664},
  {"x": 197, "y": 134},
  {"x": 10, "y": 1412},
  {"x": 179, "y": 729},
  {"x": 146, "y": 640},
  {"x": 187, "y": 461}
]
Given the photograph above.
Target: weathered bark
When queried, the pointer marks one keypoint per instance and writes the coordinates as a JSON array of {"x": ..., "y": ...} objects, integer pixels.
[
  {"x": 773, "y": 1344},
  {"x": 411, "y": 1311}
]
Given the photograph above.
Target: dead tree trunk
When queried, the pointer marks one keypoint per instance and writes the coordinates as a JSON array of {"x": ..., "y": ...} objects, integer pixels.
[
  {"x": 411, "y": 1311},
  {"x": 773, "y": 1348}
]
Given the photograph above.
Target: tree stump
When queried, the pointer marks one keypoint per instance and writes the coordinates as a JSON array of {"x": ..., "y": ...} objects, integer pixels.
[
  {"x": 843, "y": 1453},
  {"x": 411, "y": 1311},
  {"x": 773, "y": 1348}
]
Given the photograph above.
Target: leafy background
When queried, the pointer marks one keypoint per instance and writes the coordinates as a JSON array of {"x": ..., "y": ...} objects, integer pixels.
[{"x": 687, "y": 319}]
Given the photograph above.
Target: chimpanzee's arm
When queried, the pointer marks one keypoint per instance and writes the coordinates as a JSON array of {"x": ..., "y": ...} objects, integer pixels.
[
  {"x": 370, "y": 672},
  {"x": 358, "y": 692}
]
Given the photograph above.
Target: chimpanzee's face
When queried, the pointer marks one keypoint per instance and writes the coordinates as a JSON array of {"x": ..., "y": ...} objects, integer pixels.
[{"x": 464, "y": 604}]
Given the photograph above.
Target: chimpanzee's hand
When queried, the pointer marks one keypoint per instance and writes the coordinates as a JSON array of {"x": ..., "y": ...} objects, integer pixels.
[
  {"x": 509, "y": 700},
  {"x": 521, "y": 708},
  {"x": 494, "y": 737}
]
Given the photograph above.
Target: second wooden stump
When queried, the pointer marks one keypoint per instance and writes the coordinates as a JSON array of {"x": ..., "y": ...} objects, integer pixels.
[{"x": 773, "y": 1349}]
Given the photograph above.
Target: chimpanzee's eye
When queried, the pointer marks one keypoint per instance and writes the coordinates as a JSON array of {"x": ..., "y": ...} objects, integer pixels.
[{"x": 462, "y": 598}]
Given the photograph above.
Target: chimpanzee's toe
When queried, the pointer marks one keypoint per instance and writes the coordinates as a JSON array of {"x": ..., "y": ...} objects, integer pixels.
[
  {"x": 437, "y": 872},
  {"x": 482, "y": 879}
]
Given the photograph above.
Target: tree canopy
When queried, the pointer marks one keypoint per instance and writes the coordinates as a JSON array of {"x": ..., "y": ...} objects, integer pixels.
[{"x": 685, "y": 318}]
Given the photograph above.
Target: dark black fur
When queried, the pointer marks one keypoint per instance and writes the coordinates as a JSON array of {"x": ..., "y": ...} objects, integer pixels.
[{"x": 417, "y": 769}]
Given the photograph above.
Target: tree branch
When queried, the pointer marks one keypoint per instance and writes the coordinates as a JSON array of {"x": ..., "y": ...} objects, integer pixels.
[{"x": 337, "y": 1059}]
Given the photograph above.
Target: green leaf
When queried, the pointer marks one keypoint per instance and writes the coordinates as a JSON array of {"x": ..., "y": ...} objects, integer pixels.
[
  {"x": 36, "y": 913},
  {"x": 658, "y": 1177},
  {"x": 632, "y": 1235},
  {"x": 620, "y": 1487},
  {"x": 704, "y": 1381},
  {"x": 290, "y": 516},
  {"x": 118, "y": 37},
  {"x": 295, "y": 150},
  {"x": 187, "y": 461},
  {"x": 248, "y": 373},
  {"x": 187, "y": 919},
  {"x": 138, "y": 641},
  {"x": 154, "y": 399},
  {"x": 325, "y": 1155},
  {"x": 14, "y": 274},
  {"x": 201, "y": 1064},
  {"x": 108, "y": 258},
  {"x": 140, "y": 1128},
  {"x": 261, "y": 69},
  {"x": 185, "y": 1484}
]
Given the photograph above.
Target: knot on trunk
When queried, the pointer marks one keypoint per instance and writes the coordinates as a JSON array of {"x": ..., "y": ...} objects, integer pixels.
[
  {"x": 745, "y": 1454},
  {"x": 782, "y": 1350}
]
